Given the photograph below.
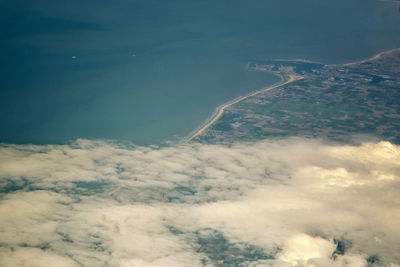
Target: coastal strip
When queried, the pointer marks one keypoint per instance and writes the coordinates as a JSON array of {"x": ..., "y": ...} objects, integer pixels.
[
  {"x": 375, "y": 57},
  {"x": 286, "y": 79},
  {"x": 220, "y": 110}
]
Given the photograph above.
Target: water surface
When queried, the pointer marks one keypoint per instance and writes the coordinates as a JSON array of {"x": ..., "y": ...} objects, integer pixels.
[{"x": 151, "y": 71}]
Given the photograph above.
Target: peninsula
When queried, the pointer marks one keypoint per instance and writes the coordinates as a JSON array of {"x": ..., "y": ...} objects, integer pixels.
[{"x": 336, "y": 102}]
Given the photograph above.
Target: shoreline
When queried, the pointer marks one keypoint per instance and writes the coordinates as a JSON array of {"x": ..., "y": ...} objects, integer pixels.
[
  {"x": 284, "y": 80},
  {"x": 220, "y": 109},
  {"x": 375, "y": 57}
]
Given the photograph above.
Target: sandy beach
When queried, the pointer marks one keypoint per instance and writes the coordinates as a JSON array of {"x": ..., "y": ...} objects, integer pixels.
[{"x": 220, "y": 110}]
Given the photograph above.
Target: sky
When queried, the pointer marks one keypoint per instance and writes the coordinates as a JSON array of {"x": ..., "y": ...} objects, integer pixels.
[{"x": 93, "y": 203}]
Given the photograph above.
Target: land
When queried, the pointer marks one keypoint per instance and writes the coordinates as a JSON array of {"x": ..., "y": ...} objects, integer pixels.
[
  {"x": 336, "y": 102},
  {"x": 286, "y": 78}
]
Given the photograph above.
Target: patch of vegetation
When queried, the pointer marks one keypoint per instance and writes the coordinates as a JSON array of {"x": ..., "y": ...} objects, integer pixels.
[
  {"x": 221, "y": 252},
  {"x": 88, "y": 188}
]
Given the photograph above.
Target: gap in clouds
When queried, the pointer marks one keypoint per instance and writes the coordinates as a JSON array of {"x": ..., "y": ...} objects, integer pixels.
[{"x": 290, "y": 202}]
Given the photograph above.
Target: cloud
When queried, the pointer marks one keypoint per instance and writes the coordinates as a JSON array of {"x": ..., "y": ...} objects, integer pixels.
[
  {"x": 33, "y": 257},
  {"x": 292, "y": 202},
  {"x": 30, "y": 218},
  {"x": 136, "y": 235},
  {"x": 301, "y": 248}
]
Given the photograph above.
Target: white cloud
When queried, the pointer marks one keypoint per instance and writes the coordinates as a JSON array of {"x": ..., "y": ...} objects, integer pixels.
[
  {"x": 301, "y": 248},
  {"x": 137, "y": 235},
  {"x": 33, "y": 257},
  {"x": 30, "y": 217},
  {"x": 291, "y": 198}
]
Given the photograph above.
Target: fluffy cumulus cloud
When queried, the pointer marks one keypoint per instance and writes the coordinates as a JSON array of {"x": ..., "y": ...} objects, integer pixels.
[{"x": 292, "y": 202}]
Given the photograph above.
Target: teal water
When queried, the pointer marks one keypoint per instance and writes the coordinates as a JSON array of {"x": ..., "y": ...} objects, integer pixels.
[{"x": 152, "y": 71}]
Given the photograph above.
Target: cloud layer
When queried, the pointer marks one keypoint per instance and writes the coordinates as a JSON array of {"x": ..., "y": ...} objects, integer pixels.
[{"x": 292, "y": 202}]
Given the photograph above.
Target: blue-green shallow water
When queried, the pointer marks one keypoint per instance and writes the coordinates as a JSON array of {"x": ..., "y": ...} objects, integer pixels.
[{"x": 151, "y": 71}]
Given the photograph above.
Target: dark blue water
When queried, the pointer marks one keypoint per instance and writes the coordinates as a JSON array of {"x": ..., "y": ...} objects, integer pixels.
[{"x": 150, "y": 71}]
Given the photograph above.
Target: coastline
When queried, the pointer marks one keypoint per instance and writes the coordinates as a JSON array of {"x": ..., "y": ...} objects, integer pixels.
[
  {"x": 220, "y": 110},
  {"x": 285, "y": 79},
  {"x": 375, "y": 57}
]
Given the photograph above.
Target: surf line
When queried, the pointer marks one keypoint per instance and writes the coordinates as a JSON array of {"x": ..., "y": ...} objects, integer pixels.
[{"x": 220, "y": 110}]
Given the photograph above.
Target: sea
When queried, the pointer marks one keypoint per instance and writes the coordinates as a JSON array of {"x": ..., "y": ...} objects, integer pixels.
[{"x": 152, "y": 71}]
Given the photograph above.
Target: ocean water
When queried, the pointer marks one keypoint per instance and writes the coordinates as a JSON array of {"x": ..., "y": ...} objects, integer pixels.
[{"x": 152, "y": 71}]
